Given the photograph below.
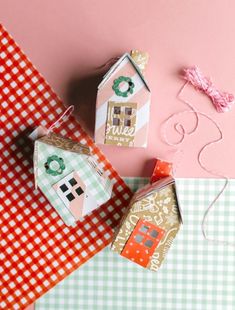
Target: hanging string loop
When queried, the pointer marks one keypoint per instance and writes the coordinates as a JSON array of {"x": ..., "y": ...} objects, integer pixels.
[{"x": 62, "y": 118}]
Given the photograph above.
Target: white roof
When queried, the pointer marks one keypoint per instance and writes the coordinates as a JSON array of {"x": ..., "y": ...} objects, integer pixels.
[{"x": 116, "y": 65}]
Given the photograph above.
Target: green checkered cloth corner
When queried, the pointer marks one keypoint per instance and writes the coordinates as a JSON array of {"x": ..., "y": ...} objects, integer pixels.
[{"x": 196, "y": 275}]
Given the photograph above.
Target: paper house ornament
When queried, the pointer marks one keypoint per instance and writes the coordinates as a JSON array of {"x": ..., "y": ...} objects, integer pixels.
[
  {"x": 69, "y": 177},
  {"x": 123, "y": 104},
  {"x": 150, "y": 225}
]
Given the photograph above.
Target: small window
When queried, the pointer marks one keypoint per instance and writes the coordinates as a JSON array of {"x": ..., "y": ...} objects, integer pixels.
[
  {"x": 144, "y": 228},
  {"x": 127, "y": 122},
  {"x": 128, "y": 111},
  {"x": 64, "y": 188},
  {"x": 116, "y": 121},
  {"x": 79, "y": 191},
  {"x": 117, "y": 110},
  {"x": 148, "y": 243},
  {"x": 70, "y": 197},
  {"x": 138, "y": 238},
  {"x": 154, "y": 233},
  {"x": 72, "y": 182}
]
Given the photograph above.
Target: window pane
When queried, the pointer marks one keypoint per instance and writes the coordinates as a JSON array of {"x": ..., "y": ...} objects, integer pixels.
[
  {"x": 128, "y": 111},
  {"x": 117, "y": 110},
  {"x": 148, "y": 243},
  {"x": 138, "y": 238},
  {"x": 70, "y": 197},
  {"x": 127, "y": 122},
  {"x": 79, "y": 191},
  {"x": 144, "y": 228},
  {"x": 154, "y": 233},
  {"x": 116, "y": 121},
  {"x": 64, "y": 188},
  {"x": 72, "y": 181}
]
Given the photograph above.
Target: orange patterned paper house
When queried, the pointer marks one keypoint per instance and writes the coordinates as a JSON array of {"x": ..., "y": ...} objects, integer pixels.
[
  {"x": 123, "y": 103},
  {"x": 150, "y": 224}
]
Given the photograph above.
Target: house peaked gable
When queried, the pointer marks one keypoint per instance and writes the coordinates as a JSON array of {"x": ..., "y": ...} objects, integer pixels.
[
  {"x": 108, "y": 75},
  {"x": 59, "y": 142},
  {"x": 157, "y": 186}
]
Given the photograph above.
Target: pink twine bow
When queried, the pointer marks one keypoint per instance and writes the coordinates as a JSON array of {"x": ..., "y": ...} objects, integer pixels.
[{"x": 222, "y": 101}]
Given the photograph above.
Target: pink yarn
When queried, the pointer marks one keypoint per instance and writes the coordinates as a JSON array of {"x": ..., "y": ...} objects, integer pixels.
[
  {"x": 181, "y": 130},
  {"x": 222, "y": 101}
]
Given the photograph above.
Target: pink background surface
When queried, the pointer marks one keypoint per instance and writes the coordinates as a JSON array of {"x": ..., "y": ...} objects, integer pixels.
[{"x": 67, "y": 39}]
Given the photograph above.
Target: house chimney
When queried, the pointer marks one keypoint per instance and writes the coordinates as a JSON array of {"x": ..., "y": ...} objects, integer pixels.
[{"x": 141, "y": 59}]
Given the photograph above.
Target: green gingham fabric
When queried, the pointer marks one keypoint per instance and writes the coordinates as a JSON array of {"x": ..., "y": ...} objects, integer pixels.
[
  {"x": 73, "y": 162},
  {"x": 196, "y": 275}
]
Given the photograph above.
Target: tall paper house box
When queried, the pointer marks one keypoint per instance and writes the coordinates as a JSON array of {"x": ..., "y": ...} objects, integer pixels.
[
  {"x": 150, "y": 225},
  {"x": 69, "y": 177},
  {"x": 123, "y": 103}
]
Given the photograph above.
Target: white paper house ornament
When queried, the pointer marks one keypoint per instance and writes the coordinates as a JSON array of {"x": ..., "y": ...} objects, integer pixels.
[
  {"x": 123, "y": 105},
  {"x": 69, "y": 177}
]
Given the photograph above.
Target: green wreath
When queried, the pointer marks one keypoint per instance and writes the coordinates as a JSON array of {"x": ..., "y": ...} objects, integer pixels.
[
  {"x": 117, "y": 82},
  {"x": 54, "y": 165}
]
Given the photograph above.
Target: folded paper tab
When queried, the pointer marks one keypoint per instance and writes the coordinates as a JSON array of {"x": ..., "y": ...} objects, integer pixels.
[
  {"x": 123, "y": 105},
  {"x": 141, "y": 59},
  {"x": 161, "y": 170},
  {"x": 150, "y": 224},
  {"x": 70, "y": 178}
]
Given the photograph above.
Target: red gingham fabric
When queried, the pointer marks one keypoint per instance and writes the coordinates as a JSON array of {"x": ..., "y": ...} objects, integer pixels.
[{"x": 37, "y": 249}]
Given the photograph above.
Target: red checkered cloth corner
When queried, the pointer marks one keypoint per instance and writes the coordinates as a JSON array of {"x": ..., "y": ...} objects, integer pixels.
[{"x": 37, "y": 249}]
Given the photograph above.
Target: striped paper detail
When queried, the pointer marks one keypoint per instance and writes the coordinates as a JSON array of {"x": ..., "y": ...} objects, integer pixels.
[{"x": 141, "y": 96}]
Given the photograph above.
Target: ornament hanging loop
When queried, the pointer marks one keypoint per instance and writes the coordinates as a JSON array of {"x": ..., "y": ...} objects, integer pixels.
[{"x": 62, "y": 118}]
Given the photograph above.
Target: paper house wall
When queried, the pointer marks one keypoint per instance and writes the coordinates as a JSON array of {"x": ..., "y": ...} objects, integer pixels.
[
  {"x": 69, "y": 177},
  {"x": 150, "y": 225},
  {"x": 123, "y": 106}
]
